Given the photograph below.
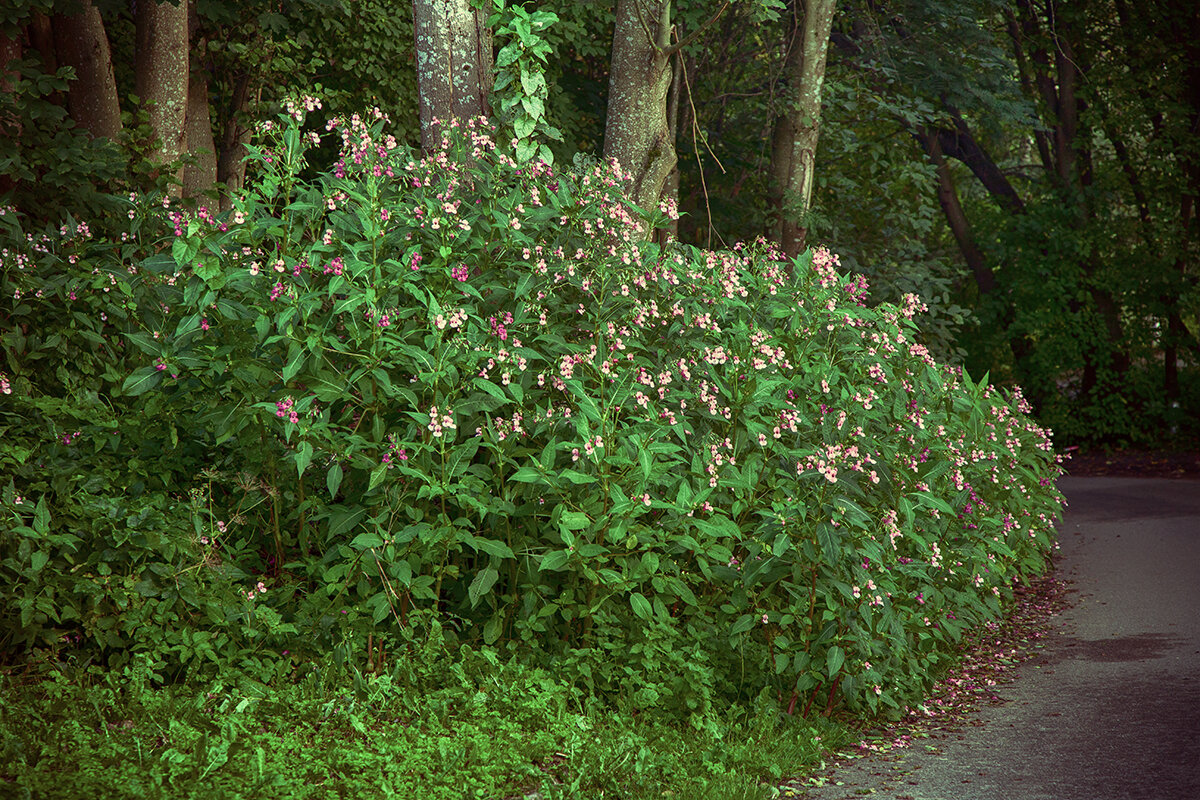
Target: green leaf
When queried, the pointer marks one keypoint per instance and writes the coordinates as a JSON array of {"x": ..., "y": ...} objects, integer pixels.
[
  {"x": 295, "y": 362},
  {"x": 141, "y": 381},
  {"x": 492, "y": 389},
  {"x": 827, "y": 535},
  {"x": 485, "y": 579},
  {"x": 377, "y": 476},
  {"x": 534, "y": 107},
  {"x": 492, "y": 629},
  {"x": 38, "y": 560},
  {"x": 343, "y": 519},
  {"x": 852, "y": 511},
  {"x": 494, "y": 548},
  {"x": 333, "y": 479},
  {"x": 304, "y": 455},
  {"x": 574, "y": 520},
  {"x": 834, "y": 660},
  {"x": 554, "y": 560},
  {"x": 366, "y": 540},
  {"x": 532, "y": 82},
  {"x": 577, "y": 477},
  {"x": 641, "y": 606},
  {"x": 744, "y": 623},
  {"x": 526, "y": 150},
  {"x": 41, "y": 518},
  {"x": 523, "y": 126},
  {"x": 932, "y": 501},
  {"x": 528, "y": 475},
  {"x": 546, "y": 459}
]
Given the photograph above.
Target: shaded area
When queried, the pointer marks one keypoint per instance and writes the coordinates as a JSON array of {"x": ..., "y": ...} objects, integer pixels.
[
  {"x": 1183, "y": 462},
  {"x": 1110, "y": 707}
]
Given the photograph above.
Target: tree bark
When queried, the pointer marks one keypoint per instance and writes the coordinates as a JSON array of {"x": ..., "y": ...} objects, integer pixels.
[
  {"x": 81, "y": 43},
  {"x": 162, "y": 76},
  {"x": 454, "y": 64},
  {"x": 956, "y": 218},
  {"x": 794, "y": 145},
  {"x": 637, "y": 131},
  {"x": 10, "y": 127},
  {"x": 200, "y": 175},
  {"x": 961, "y": 144},
  {"x": 231, "y": 160}
]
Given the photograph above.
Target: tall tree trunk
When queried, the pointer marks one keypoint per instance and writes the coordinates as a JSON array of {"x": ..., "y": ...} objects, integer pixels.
[
  {"x": 637, "y": 130},
  {"x": 956, "y": 218},
  {"x": 454, "y": 63},
  {"x": 41, "y": 39},
  {"x": 10, "y": 127},
  {"x": 162, "y": 76},
  {"x": 1044, "y": 40},
  {"x": 231, "y": 160},
  {"x": 81, "y": 43},
  {"x": 200, "y": 175},
  {"x": 794, "y": 145}
]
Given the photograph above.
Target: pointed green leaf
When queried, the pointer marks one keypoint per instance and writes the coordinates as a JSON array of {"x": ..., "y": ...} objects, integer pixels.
[
  {"x": 833, "y": 661},
  {"x": 554, "y": 560},
  {"x": 485, "y": 579},
  {"x": 827, "y": 535},
  {"x": 333, "y": 479},
  {"x": 141, "y": 381},
  {"x": 641, "y": 606}
]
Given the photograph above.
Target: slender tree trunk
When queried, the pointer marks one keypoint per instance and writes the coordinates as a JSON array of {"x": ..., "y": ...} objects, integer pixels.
[
  {"x": 10, "y": 127},
  {"x": 231, "y": 160},
  {"x": 81, "y": 43},
  {"x": 200, "y": 175},
  {"x": 794, "y": 145},
  {"x": 454, "y": 63},
  {"x": 162, "y": 76},
  {"x": 637, "y": 131},
  {"x": 961, "y": 144},
  {"x": 956, "y": 218},
  {"x": 10, "y": 50}
]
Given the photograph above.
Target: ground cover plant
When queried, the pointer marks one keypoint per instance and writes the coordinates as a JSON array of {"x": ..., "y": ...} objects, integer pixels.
[{"x": 464, "y": 398}]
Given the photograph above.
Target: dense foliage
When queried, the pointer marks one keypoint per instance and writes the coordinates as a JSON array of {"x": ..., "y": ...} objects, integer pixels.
[{"x": 455, "y": 391}]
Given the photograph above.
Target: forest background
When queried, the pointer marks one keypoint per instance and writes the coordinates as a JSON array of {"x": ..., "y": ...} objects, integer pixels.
[
  {"x": 720, "y": 501},
  {"x": 1029, "y": 169}
]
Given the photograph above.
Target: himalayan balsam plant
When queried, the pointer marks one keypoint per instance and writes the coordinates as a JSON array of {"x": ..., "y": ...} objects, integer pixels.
[{"x": 457, "y": 387}]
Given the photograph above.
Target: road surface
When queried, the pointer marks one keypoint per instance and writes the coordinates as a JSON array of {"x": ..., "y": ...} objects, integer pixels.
[{"x": 1109, "y": 709}]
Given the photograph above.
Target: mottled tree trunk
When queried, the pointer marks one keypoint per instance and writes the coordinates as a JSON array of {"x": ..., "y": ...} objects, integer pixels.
[
  {"x": 454, "y": 63},
  {"x": 794, "y": 145},
  {"x": 200, "y": 175},
  {"x": 81, "y": 43},
  {"x": 638, "y": 131},
  {"x": 162, "y": 76}
]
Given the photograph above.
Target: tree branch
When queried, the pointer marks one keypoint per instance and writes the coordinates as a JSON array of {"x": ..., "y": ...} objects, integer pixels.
[{"x": 691, "y": 37}]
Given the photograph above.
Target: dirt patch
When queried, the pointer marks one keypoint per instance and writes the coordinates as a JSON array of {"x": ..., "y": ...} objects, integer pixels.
[{"x": 1133, "y": 463}]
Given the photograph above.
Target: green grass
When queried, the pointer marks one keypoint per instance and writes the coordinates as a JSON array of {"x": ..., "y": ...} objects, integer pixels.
[{"x": 503, "y": 731}]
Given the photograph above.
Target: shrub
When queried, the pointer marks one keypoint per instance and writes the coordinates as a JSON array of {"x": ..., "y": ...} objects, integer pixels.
[{"x": 453, "y": 387}]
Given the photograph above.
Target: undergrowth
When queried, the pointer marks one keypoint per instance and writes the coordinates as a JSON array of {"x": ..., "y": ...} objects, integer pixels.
[
  {"x": 438, "y": 726},
  {"x": 448, "y": 449}
]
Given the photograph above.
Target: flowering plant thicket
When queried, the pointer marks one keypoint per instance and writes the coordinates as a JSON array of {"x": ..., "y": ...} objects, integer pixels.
[{"x": 456, "y": 390}]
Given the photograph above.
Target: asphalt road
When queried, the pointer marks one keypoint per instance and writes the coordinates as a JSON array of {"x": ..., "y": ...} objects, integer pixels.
[{"x": 1110, "y": 707}]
